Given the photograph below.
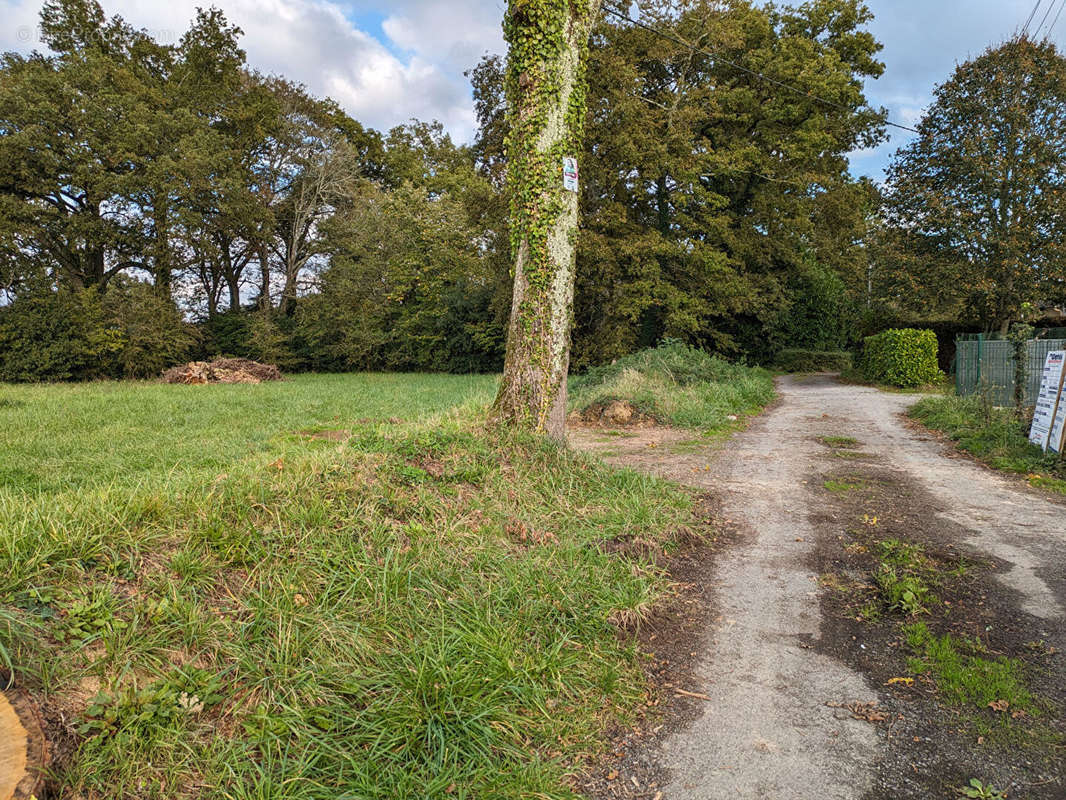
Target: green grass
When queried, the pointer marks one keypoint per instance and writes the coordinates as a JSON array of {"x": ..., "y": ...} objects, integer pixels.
[
  {"x": 839, "y": 442},
  {"x": 964, "y": 674},
  {"x": 224, "y": 606},
  {"x": 994, "y": 436},
  {"x": 72, "y": 436},
  {"x": 841, "y": 487},
  {"x": 678, "y": 385}
]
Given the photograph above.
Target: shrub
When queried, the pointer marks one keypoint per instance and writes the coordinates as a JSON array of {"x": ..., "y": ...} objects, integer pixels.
[
  {"x": 148, "y": 328},
  {"x": 794, "y": 360},
  {"x": 902, "y": 357},
  {"x": 55, "y": 336},
  {"x": 128, "y": 332}
]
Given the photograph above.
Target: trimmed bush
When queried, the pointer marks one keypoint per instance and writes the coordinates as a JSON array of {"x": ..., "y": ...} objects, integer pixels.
[
  {"x": 903, "y": 357},
  {"x": 794, "y": 360}
]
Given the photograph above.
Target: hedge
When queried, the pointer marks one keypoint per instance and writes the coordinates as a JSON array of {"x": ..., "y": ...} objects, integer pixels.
[
  {"x": 795, "y": 360},
  {"x": 903, "y": 357}
]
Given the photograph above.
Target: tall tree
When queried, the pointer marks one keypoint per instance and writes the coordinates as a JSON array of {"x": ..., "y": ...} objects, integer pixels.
[
  {"x": 546, "y": 91},
  {"x": 978, "y": 200}
]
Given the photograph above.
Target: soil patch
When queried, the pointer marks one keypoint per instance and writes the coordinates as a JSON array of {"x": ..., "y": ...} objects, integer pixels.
[
  {"x": 222, "y": 370},
  {"x": 616, "y": 414},
  {"x": 931, "y": 747}
]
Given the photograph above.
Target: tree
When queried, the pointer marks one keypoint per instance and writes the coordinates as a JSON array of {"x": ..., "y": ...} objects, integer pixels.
[
  {"x": 546, "y": 91},
  {"x": 978, "y": 200},
  {"x": 707, "y": 192}
]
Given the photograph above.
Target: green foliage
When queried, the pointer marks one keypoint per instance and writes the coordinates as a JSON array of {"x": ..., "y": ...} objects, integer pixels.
[
  {"x": 973, "y": 202},
  {"x": 902, "y": 357},
  {"x": 820, "y": 316},
  {"x": 792, "y": 360},
  {"x": 131, "y": 332},
  {"x": 678, "y": 384},
  {"x": 55, "y": 336},
  {"x": 150, "y": 331},
  {"x": 408, "y": 288},
  {"x": 994, "y": 436}
]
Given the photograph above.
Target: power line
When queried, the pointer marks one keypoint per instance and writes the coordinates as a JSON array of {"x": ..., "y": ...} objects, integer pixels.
[
  {"x": 1055, "y": 20},
  {"x": 1050, "y": 8},
  {"x": 753, "y": 73},
  {"x": 1051, "y": 30},
  {"x": 1032, "y": 15}
]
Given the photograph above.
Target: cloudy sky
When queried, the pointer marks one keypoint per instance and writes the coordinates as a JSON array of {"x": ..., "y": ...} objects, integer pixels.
[{"x": 387, "y": 61}]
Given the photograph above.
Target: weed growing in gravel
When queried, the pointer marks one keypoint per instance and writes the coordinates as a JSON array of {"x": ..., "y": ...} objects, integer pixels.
[
  {"x": 980, "y": 791},
  {"x": 840, "y": 487},
  {"x": 903, "y": 576},
  {"x": 964, "y": 675},
  {"x": 843, "y": 442}
]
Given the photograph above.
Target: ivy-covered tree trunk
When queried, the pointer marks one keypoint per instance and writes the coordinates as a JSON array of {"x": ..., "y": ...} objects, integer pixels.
[{"x": 546, "y": 95}]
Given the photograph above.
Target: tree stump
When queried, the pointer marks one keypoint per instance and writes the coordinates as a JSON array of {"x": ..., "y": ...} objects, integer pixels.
[{"x": 23, "y": 749}]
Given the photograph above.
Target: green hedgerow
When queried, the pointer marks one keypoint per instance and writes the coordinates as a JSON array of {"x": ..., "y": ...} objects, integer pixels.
[{"x": 903, "y": 357}]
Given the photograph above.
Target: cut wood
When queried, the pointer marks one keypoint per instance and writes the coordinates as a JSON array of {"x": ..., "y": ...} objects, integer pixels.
[{"x": 23, "y": 749}]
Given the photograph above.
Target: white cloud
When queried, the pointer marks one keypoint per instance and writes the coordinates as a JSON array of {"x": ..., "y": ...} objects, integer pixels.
[{"x": 315, "y": 43}]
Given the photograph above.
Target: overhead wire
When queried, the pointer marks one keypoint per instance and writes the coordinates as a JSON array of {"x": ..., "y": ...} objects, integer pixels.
[
  {"x": 1051, "y": 28},
  {"x": 1032, "y": 16},
  {"x": 740, "y": 68},
  {"x": 1043, "y": 21}
]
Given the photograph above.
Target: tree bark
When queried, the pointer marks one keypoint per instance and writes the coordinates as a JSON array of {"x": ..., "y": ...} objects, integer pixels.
[{"x": 546, "y": 92}]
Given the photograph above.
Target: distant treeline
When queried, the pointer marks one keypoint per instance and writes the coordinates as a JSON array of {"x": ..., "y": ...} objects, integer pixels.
[{"x": 165, "y": 202}]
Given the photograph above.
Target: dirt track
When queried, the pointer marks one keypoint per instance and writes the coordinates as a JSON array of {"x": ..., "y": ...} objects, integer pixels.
[{"x": 768, "y": 731}]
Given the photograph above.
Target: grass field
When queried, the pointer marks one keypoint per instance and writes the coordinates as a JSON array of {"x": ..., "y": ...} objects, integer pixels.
[
  {"x": 995, "y": 436},
  {"x": 331, "y": 587}
]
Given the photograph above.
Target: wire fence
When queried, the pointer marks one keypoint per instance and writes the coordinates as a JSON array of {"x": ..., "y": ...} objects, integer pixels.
[{"x": 987, "y": 364}]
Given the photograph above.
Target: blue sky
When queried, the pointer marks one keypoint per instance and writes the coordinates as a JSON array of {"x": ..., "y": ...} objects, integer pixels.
[{"x": 388, "y": 62}]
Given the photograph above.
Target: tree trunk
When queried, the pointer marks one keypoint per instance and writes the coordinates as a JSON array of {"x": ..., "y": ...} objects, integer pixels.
[
  {"x": 265, "y": 301},
  {"x": 163, "y": 268},
  {"x": 546, "y": 93}
]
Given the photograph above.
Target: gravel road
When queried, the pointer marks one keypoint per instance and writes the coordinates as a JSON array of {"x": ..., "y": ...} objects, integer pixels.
[{"x": 768, "y": 731}]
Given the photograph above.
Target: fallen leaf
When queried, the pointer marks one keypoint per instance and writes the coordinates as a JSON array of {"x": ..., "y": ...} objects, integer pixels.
[
  {"x": 612, "y": 775},
  {"x": 892, "y": 681},
  {"x": 999, "y": 705},
  {"x": 867, "y": 712}
]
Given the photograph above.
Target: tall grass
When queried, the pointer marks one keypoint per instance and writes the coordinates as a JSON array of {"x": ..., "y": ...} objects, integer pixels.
[
  {"x": 677, "y": 384},
  {"x": 993, "y": 435},
  {"x": 421, "y": 610}
]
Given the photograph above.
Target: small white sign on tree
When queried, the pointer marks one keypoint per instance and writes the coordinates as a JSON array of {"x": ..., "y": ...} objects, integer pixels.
[{"x": 570, "y": 175}]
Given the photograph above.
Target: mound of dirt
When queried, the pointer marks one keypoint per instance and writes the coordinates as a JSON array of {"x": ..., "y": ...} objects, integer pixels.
[
  {"x": 222, "y": 370},
  {"x": 617, "y": 413}
]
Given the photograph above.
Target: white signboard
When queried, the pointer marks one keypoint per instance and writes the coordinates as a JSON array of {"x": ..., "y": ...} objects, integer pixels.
[
  {"x": 570, "y": 174},
  {"x": 1047, "y": 402},
  {"x": 1057, "y": 439}
]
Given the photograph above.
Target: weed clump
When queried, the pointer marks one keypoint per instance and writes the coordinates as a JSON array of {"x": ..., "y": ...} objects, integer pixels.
[{"x": 676, "y": 384}]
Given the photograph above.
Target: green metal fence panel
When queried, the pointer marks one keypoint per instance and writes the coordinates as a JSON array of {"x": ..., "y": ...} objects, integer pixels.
[{"x": 988, "y": 365}]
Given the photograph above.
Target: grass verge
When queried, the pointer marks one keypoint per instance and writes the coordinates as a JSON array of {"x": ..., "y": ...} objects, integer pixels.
[
  {"x": 994, "y": 436},
  {"x": 679, "y": 385},
  {"x": 371, "y": 609}
]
